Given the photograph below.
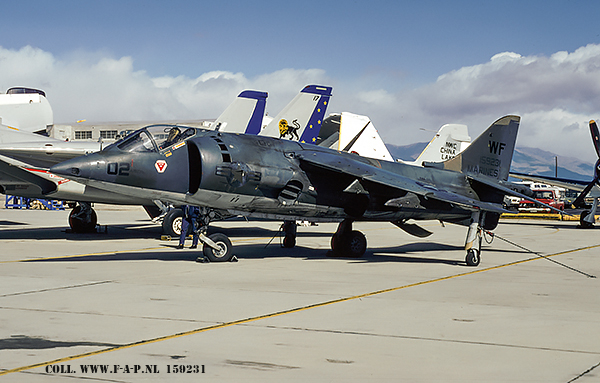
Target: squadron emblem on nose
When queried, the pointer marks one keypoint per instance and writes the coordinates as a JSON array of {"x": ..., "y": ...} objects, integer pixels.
[{"x": 160, "y": 165}]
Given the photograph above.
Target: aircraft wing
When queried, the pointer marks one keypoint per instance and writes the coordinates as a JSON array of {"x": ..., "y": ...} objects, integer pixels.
[
  {"x": 363, "y": 171},
  {"x": 47, "y": 153},
  {"x": 13, "y": 172}
]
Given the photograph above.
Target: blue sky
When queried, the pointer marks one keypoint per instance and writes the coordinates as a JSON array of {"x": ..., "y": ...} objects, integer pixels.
[
  {"x": 188, "y": 59},
  {"x": 418, "y": 41}
]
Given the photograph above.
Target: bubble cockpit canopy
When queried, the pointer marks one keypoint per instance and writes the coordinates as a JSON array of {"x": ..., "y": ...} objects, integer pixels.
[{"x": 153, "y": 138}]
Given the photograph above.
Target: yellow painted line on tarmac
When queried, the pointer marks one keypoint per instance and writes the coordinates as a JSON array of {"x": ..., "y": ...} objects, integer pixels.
[{"x": 277, "y": 314}]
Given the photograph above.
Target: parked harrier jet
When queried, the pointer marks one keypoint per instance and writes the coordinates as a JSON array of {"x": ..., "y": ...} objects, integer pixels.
[
  {"x": 588, "y": 189},
  {"x": 25, "y": 157},
  {"x": 278, "y": 179}
]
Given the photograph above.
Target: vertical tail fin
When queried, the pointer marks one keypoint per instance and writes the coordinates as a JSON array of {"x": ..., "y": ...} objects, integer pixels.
[
  {"x": 301, "y": 119},
  {"x": 26, "y": 109},
  {"x": 449, "y": 141},
  {"x": 358, "y": 135},
  {"x": 491, "y": 153},
  {"x": 244, "y": 115}
]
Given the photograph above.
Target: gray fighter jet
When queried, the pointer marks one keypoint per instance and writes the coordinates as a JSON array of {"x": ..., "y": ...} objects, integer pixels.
[
  {"x": 25, "y": 157},
  {"x": 231, "y": 174}
]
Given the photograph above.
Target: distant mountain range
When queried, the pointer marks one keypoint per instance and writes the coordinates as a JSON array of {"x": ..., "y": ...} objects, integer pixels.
[{"x": 525, "y": 160}]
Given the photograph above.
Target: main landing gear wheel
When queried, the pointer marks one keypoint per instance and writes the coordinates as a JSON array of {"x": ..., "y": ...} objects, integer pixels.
[
  {"x": 172, "y": 222},
  {"x": 585, "y": 224},
  {"x": 357, "y": 245},
  {"x": 224, "y": 245},
  {"x": 473, "y": 257},
  {"x": 289, "y": 228},
  {"x": 289, "y": 241},
  {"x": 351, "y": 244},
  {"x": 83, "y": 219}
]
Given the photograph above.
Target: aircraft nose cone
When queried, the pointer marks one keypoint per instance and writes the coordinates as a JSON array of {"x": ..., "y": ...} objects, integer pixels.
[{"x": 71, "y": 169}]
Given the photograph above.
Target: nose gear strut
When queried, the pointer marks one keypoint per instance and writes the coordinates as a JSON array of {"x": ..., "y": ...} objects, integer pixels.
[{"x": 217, "y": 246}]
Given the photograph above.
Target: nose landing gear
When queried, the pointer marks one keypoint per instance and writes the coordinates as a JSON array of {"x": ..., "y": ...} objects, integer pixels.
[
  {"x": 216, "y": 247},
  {"x": 83, "y": 218}
]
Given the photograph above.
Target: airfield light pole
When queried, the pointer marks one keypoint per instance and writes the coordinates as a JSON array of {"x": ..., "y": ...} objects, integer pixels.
[{"x": 556, "y": 166}]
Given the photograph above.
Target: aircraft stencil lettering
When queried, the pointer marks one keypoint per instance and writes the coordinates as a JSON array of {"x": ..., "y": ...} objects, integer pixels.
[
  {"x": 448, "y": 151},
  {"x": 120, "y": 169},
  {"x": 496, "y": 147}
]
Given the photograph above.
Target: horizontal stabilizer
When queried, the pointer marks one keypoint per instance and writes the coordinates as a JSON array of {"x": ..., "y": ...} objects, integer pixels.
[
  {"x": 560, "y": 182},
  {"x": 509, "y": 191}
]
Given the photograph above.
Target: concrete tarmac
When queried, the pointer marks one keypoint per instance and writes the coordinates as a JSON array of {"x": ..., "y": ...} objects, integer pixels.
[{"x": 124, "y": 306}]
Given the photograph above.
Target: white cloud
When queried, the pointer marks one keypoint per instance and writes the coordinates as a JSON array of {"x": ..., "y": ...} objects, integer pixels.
[
  {"x": 556, "y": 95},
  {"x": 88, "y": 86}
]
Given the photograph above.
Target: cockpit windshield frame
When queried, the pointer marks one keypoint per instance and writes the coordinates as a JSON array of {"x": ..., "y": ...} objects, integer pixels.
[
  {"x": 154, "y": 138},
  {"x": 138, "y": 143}
]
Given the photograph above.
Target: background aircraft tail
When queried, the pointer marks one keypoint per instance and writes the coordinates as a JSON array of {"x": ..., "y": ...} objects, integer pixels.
[
  {"x": 26, "y": 109},
  {"x": 358, "y": 135},
  {"x": 448, "y": 142},
  {"x": 244, "y": 115},
  {"x": 301, "y": 119},
  {"x": 490, "y": 155}
]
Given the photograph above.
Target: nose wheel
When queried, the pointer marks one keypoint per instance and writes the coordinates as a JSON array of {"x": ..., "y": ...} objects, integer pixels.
[
  {"x": 217, "y": 247},
  {"x": 83, "y": 218}
]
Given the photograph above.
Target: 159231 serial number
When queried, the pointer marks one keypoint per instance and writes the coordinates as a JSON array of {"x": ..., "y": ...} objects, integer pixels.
[{"x": 185, "y": 369}]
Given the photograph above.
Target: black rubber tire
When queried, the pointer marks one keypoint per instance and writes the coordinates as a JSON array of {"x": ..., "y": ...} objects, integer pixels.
[
  {"x": 585, "y": 224},
  {"x": 351, "y": 245},
  {"x": 79, "y": 226},
  {"x": 289, "y": 241},
  {"x": 357, "y": 244},
  {"x": 472, "y": 258},
  {"x": 172, "y": 221},
  {"x": 336, "y": 245},
  {"x": 218, "y": 256}
]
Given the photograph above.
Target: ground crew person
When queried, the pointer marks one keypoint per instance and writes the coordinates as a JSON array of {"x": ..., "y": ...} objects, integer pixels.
[{"x": 190, "y": 215}]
